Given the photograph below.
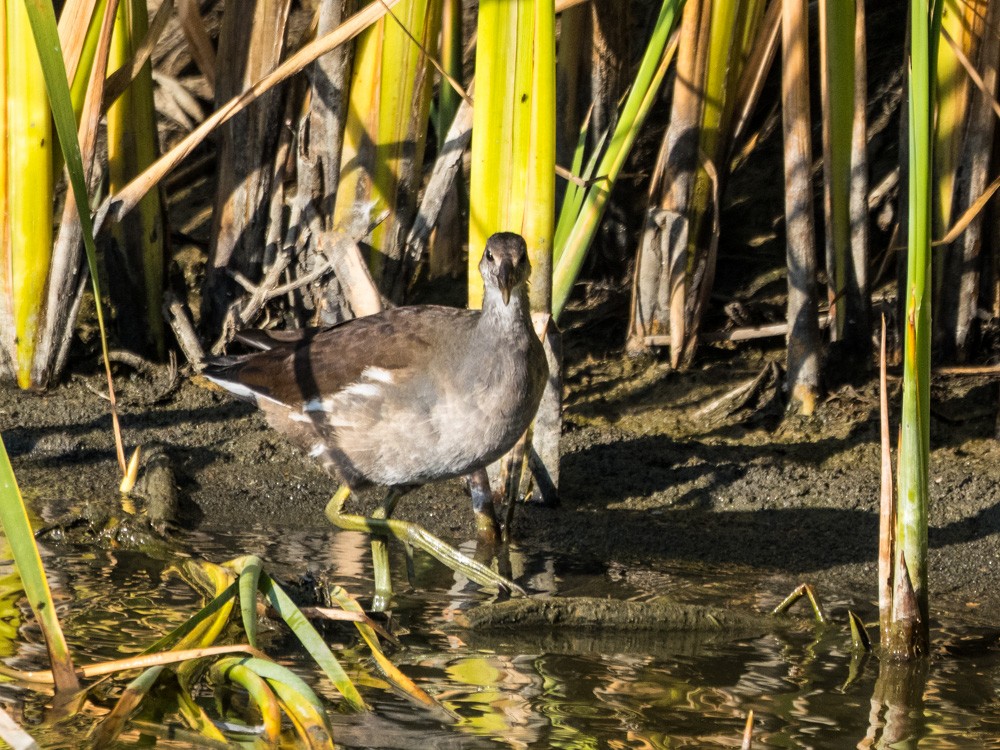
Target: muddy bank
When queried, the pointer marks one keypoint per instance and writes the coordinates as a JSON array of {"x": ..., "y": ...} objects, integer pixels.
[{"x": 659, "y": 471}]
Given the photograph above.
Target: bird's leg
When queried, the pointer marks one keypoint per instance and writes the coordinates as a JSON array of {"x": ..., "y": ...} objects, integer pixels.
[
  {"x": 487, "y": 528},
  {"x": 380, "y": 552},
  {"x": 413, "y": 534},
  {"x": 380, "y": 547}
]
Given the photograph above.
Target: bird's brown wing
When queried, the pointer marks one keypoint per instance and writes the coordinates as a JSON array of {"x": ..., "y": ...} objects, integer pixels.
[
  {"x": 266, "y": 339},
  {"x": 326, "y": 361}
]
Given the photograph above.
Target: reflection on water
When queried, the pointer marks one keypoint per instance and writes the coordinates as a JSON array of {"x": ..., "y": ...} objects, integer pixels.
[{"x": 546, "y": 689}]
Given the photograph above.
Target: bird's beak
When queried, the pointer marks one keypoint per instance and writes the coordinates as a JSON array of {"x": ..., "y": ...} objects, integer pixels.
[{"x": 505, "y": 278}]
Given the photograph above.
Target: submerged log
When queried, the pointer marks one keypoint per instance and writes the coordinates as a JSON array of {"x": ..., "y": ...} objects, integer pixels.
[{"x": 658, "y": 615}]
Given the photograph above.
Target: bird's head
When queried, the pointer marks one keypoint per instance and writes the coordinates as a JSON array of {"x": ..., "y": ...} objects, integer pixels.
[{"x": 505, "y": 263}]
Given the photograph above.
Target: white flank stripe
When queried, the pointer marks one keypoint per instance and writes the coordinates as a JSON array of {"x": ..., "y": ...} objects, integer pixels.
[
  {"x": 241, "y": 391},
  {"x": 367, "y": 390},
  {"x": 379, "y": 374}
]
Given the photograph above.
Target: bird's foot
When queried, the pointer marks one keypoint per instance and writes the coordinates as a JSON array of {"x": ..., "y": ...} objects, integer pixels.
[
  {"x": 417, "y": 536},
  {"x": 451, "y": 557}
]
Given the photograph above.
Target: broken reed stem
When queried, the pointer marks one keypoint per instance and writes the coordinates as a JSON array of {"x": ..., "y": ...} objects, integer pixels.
[
  {"x": 907, "y": 632},
  {"x": 802, "y": 590},
  {"x": 46, "y": 677},
  {"x": 748, "y": 732},
  {"x": 746, "y": 333},
  {"x": 180, "y": 323}
]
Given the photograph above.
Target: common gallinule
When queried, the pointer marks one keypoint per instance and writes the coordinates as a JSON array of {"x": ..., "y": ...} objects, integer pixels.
[{"x": 405, "y": 397}]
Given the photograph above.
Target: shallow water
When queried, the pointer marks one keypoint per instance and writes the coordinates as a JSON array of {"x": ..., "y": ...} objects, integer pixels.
[{"x": 550, "y": 689}]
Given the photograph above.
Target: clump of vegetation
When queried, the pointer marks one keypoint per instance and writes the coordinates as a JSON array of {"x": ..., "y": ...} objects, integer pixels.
[{"x": 206, "y": 650}]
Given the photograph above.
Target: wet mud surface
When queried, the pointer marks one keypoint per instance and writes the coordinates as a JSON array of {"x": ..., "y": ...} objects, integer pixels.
[{"x": 660, "y": 470}]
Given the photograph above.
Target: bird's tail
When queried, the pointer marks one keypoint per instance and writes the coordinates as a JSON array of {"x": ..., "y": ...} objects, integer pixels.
[{"x": 222, "y": 374}]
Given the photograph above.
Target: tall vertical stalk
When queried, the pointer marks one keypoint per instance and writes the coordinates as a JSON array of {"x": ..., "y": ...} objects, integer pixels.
[
  {"x": 803, "y": 327},
  {"x": 446, "y": 251},
  {"x": 27, "y": 234},
  {"x": 452, "y": 42},
  {"x": 963, "y": 138},
  {"x": 512, "y": 180},
  {"x": 733, "y": 32},
  {"x": 608, "y": 40},
  {"x": 962, "y": 21},
  {"x": 570, "y": 69},
  {"x": 660, "y": 284},
  {"x": 836, "y": 40},
  {"x": 676, "y": 266},
  {"x": 138, "y": 264},
  {"x": 385, "y": 133},
  {"x": 858, "y": 295},
  {"x": 908, "y": 635}
]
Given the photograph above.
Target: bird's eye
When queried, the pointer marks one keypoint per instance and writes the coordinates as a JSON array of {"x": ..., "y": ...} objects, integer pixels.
[{"x": 489, "y": 255}]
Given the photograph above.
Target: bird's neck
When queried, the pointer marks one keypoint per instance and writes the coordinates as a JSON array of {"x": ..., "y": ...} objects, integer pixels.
[{"x": 514, "y": 316}]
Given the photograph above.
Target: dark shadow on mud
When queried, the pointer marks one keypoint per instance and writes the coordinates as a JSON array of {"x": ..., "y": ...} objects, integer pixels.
[
  {"x": 602, "y": 481},
  {"x": 62, "y": 443}
]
